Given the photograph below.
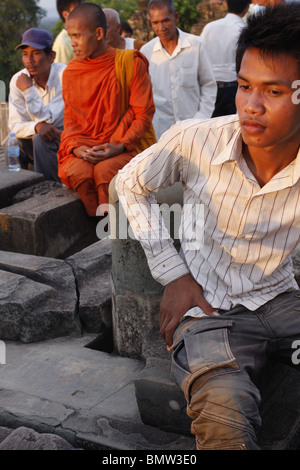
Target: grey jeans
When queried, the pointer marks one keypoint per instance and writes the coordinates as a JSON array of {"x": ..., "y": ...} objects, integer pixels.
[{"x": 216, "y": 361}]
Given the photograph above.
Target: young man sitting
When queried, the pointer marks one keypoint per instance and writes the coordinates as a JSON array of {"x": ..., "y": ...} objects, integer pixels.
[{"x": 231, "y": 302}]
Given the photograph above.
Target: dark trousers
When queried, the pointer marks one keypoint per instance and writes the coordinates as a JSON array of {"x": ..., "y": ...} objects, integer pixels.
[
  {"x": 217, "y": 361},
  {"x": 41, "y": 155}
]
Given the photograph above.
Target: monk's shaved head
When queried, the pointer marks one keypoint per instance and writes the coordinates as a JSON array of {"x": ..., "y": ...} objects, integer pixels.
[{"x": 91, "y": 14}]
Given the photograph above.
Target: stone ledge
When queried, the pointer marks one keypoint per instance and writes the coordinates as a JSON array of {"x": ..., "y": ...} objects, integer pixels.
[
  {"x": 53, "y": 225},
  {"x": 12, "y": 182},
  {"x": 24, "y": 438}
]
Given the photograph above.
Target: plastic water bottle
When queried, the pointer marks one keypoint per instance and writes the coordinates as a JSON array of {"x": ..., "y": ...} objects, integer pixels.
[{"x": 13, "y": 152}]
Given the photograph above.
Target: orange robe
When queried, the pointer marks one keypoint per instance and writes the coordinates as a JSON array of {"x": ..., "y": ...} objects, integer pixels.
[{"x": 93, "y": 115}]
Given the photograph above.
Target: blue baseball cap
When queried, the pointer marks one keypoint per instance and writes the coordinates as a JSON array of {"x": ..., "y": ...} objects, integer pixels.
[{"x": 37, "y": 38}]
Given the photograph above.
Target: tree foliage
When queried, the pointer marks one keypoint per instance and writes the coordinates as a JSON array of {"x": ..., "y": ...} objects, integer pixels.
[
  {"x": 125, "y": 8},
  {"x": 16, "y": 17},
  {"x": 188, "y": 13}
]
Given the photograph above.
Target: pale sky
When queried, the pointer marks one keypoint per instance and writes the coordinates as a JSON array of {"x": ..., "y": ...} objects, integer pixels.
[{"x": 49, "y": 6}]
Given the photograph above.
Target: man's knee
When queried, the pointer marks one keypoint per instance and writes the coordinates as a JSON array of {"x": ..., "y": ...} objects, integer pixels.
[
  {"x": 224, "y": 410},
  {"x": 79, "y": 171},
  {"x": 221, "y": 400}
]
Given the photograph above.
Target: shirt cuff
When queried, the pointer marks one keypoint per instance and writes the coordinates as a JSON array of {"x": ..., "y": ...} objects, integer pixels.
[{"x": 167, "y": 266}]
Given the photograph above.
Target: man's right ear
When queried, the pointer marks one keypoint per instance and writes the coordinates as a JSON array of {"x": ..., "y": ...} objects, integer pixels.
[
  {"x": 65, "y": 14},
  {"x": 99, "y": 33}
]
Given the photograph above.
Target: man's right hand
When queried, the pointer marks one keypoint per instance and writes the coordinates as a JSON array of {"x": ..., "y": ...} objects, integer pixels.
[
  {"x": 47, "y": 131},
  {"x": 179, "y": 296}
]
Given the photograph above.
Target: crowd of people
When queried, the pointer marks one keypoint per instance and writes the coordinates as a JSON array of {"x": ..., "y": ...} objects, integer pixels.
[
  {"x": 215, "y": 112},
  {"x": 150, "y": 87}
]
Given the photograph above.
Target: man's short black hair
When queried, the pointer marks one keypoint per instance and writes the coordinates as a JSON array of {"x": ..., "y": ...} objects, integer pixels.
[
  {"x": 92, "y": 13},
  {"x": 126, "y": 27},
  {"x": 162, "y": 3},
  {"x": 274, "y": 32},
  {"x": 47, "y": 50},
  {"x": 64, "y": 5},
  {"x": 237, "y": 6}
]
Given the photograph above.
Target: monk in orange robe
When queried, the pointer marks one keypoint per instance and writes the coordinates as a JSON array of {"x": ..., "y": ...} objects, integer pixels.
[{"x": 108, "y": 109}]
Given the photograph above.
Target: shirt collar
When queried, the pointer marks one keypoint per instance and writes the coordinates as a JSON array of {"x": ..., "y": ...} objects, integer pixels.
[
  {"x": 233, "y": 153},
  {"x": 49, "y": 81},
  {"x": 236, "y": 18},
  {"x": 183, "y": 41}
]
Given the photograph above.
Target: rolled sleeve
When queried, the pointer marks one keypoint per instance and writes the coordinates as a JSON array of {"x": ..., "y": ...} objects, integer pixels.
[{"x": 155, "y": 168}]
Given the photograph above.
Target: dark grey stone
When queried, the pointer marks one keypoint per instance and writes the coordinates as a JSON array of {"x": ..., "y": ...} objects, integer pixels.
[
  {"x": 160, "y": 400},
  {"x": 54, "y": 224},
  {"x": 11, "y": 182},
  {"x": 92, "y": 269},
  {"x": 38, "y": 298},
  {"x": 24, "y": 438}
]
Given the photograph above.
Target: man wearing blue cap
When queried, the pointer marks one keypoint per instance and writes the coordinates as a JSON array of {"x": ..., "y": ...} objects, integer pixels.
[{"x": 36, "y": 107}]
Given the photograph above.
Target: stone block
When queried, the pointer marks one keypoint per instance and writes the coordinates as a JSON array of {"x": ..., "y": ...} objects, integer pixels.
[
  {"x": 53, "y": 224},
  {"x": 160, "y": 400},
  {"x": 38, "y": 298},
  {"x": 92, "y": 269},
  {"x": 12, "y": 182},
  {"x": 136, "y": 295}
]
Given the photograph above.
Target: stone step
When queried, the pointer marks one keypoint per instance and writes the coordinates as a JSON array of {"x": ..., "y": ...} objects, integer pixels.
[{"x": 12, "y": 182}]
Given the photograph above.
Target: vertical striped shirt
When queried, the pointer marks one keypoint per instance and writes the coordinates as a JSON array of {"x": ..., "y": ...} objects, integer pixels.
[{"x": 248, "y": 231}]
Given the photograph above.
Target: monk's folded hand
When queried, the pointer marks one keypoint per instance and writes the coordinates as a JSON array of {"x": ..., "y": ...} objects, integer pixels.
[
  {"x": 103, "y": 151},
  {"x": 81, "y": 152}
]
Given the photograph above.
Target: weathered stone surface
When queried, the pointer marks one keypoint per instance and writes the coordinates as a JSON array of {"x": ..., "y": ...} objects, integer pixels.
[
  {"x": 134, "y": 315},
  {"x": 160, "y": 400},
  {"x": 4, "y": 432},
  {"x": 13, "y": 181},
  {"x": 38, "y": 298},
  {"x": 43, "y": 187},
  {"x": 24, "y": 438},
  {"x": 92, "y": 268},
  {"x": 54, "y": 225}
]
